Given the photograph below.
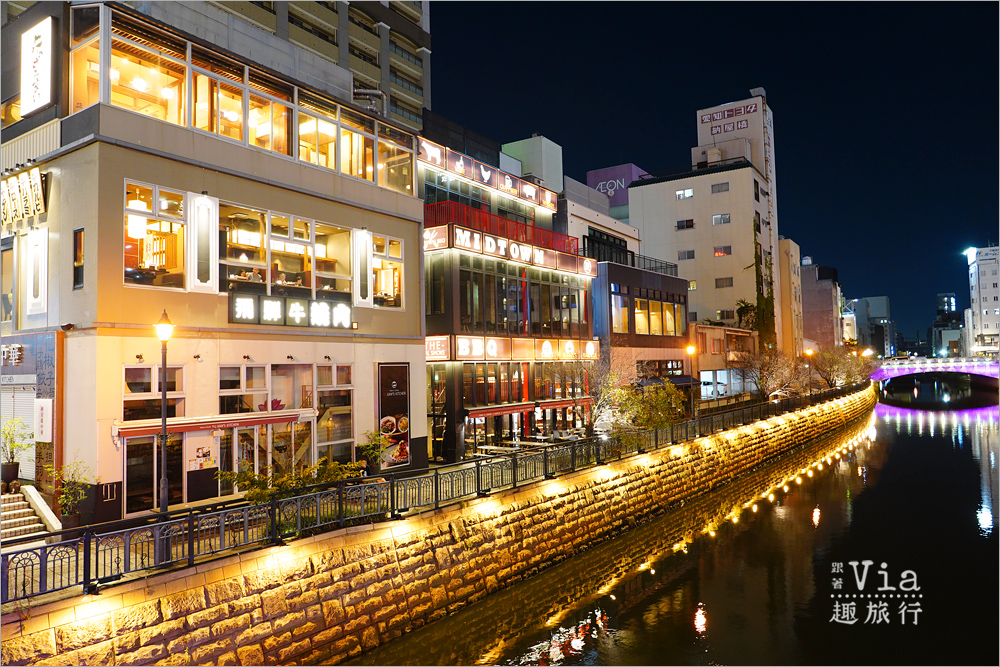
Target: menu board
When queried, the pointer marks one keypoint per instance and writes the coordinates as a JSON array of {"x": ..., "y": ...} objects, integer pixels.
[{"x": 394, "y": 413}]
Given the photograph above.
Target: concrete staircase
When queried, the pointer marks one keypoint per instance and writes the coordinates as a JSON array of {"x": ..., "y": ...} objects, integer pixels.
[{"x": 18, "y": 519}]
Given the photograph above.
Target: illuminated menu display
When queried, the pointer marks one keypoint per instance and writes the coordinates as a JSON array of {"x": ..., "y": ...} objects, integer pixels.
[{"x": 463, "y": 165}]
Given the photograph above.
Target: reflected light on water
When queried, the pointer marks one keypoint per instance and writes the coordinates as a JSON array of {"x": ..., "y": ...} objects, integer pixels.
[
  {"x": 815, "y": 516},
  {"x": 700, "y": 619},
  {"x": 985, "y": 518}
]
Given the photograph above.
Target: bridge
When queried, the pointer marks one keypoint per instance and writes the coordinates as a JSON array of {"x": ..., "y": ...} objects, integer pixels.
[{"x": 972, "y": 365}]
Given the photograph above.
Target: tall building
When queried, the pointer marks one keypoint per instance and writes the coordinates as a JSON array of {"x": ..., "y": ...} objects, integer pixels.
[
  {"x": 868, "y": 322},
  {"x": 720, "y": 216},
  {"x": 790, "y": 270},
  {"x": 821, "y": 305},
  {"x": 984, "y": 300},
  {"x": 275, "y": 223},
  {"x": 614, "y": 182}
]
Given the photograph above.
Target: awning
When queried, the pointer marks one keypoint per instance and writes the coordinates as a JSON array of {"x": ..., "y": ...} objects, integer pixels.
[
  {"x": 550, "y": 405},
  {"x": 682, "y": 380},
  {"x": 206, "y": 424},
  {"x": 499, "y": 410}
]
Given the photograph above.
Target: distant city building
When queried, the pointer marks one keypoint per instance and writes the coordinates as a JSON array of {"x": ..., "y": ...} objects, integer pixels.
[
  {"x": 821, "y": 309},
  {"x": 719, "y": 217},
  {"x": 790, "y": 271},
  {"x": 872, "y": 325},
  {"x": 984, "y": 298}
]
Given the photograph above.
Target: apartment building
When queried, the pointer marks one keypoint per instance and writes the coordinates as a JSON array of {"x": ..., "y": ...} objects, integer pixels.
[{"x": 984, "y": 300}]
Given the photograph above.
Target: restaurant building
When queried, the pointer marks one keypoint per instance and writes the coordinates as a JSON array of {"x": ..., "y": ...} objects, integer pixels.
[
  {"x": 509, "y": 327},
  {"x": 145, "y": 171}
]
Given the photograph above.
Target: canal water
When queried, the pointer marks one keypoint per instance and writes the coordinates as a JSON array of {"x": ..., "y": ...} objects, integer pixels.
[{"x": 762, "y": 571}]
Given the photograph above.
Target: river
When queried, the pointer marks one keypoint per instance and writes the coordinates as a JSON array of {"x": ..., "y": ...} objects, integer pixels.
[{"x": 760, "y": 571}]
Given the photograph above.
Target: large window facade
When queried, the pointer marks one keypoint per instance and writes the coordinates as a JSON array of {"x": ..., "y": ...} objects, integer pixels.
[
  {"x": 162, "y": 76},
  {"x": 508, "y": 299}
]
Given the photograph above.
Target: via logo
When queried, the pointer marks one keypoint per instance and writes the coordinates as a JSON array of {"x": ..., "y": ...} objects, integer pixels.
[{"x": 907, "y": 580}]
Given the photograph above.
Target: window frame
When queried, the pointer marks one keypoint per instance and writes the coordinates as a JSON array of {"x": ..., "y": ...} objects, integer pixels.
[
  {"x": 721, "y": 219},
  {"x": 184, "y": 248},
  {"x": 724, "y": 282}
]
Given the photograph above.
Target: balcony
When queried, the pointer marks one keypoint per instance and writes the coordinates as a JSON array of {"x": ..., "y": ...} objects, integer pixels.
[{"x": 443, "y": 213}]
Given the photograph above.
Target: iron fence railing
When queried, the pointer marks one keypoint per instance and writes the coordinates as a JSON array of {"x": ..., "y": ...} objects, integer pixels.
[{"x": 103, "y": 553}]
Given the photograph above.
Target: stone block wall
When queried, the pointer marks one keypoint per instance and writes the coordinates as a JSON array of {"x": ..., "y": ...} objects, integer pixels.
[{"x": 326, "y": 598}]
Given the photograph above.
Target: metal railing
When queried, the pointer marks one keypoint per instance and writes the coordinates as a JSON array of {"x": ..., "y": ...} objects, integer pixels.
[{"x": 104, "y": 553}]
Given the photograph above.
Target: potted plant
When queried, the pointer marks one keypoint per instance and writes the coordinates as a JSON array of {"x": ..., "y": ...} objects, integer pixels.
[
  {"x": 75, "y": 479},
  {"x": 15, "y": 437},
  {"x": 373, "y": 446}
]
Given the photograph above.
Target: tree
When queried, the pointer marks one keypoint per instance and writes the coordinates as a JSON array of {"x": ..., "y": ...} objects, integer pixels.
[
  {"x": 603, "y": 380},
  {"x": 843, "y": 366},
  {"x": 15, "y": 437},
  {"x": 746, "y": 315},
  {"x": 770, "y": 371}
]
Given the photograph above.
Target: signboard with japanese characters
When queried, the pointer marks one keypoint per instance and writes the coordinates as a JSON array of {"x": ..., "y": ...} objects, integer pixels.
[
  {"x": 286, "y": 311},
  {"x": 23, "y": 195}
]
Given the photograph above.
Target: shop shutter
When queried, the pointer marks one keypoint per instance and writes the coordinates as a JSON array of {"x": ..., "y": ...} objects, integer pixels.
[{"x": 20, "y": 402}]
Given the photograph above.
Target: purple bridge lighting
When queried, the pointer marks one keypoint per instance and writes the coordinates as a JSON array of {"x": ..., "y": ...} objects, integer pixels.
[{"x": 974, "y": 366}]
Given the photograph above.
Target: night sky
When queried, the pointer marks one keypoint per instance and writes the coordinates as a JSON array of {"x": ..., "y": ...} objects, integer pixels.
[{"x": 885, "y": 115}]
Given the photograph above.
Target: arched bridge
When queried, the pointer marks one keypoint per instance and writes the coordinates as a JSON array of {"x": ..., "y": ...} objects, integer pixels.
[{"x": 974, "y": 365}]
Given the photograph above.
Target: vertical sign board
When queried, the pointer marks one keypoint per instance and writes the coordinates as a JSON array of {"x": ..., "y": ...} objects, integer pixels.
[
  {"x": 36, "y": 66},
  {"x": 394, "y": 413},
  {"x": 43, "y": 420}
]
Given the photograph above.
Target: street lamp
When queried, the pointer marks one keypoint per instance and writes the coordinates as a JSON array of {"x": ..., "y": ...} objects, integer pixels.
[
  {"x": 809, "y": 354},
  {"x": 163, "y": 330},
  {"x": 693, "y": 353}
]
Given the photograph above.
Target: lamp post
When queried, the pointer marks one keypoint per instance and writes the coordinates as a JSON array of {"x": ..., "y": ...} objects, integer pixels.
[
  {"x": 163, "y": 330},
  {"x": 809, "y": 354},
  {"x": 693, "y": 353}
]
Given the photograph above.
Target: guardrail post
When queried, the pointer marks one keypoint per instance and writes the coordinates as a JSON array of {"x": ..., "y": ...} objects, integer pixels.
[
  {"x": 513, "y": 470},
  {"x": 572, "y": 457},
  {"x": 340, "y": 504},
  {"x": 191, "y": 539},
  {"x": 392, "y": 496},
  {"x": 545, "y": 463},
  {"x": 437, "y": 489},
  {"x": 86, "y": 562},
  {"x": 273, "y": 509},
  {"x": 479, "y": 479}
]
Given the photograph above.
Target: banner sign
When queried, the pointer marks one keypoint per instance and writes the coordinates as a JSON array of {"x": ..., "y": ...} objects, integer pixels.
[
  {"x": 23, "y": 195},
  {"x": 394, "y": 413}
]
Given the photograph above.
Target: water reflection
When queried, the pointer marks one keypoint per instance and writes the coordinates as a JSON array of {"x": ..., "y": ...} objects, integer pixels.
[
  {"x": 976, "y": 429},
  {"x": 667, "y": 560}
]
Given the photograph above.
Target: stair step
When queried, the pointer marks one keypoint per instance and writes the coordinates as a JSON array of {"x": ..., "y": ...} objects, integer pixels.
[
  {"x": 16, "y": 507},
  {"x": 22, "y": 531},
  {"x": 41, "y": 534},
  {"x": 12, "y": 498},
  {"x": 19, "y": 521}
]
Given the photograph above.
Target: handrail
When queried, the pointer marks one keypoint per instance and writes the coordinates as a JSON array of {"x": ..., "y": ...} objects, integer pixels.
[{"x": 101, "y": 553}]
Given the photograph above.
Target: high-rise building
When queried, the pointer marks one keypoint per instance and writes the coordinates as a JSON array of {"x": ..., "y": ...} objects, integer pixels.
[
  {"x": 276, "y": 223},
  {"x": 984, "y": 298},
  {"x": 720, "y": 216},
  {"x": 868, "y": 322},
  {"x": 821, "y": 305}
]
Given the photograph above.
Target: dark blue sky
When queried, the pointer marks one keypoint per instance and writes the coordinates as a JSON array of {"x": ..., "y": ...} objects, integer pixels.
[{"x": 886, "y": 115}]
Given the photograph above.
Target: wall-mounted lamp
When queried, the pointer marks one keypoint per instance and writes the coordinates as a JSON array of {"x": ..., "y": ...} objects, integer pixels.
[
  {"x": 69, "y": 326},
  {"x": 290, "y": 358},
  {"x": 247, "y": 357},
  {"x": 354, "y": 325},
  {"x": 326, "y": 357},
  {"x": 204, "y": 192},
  {"x": 198, "y": 357},
  {"x": 138, "y": 358}
]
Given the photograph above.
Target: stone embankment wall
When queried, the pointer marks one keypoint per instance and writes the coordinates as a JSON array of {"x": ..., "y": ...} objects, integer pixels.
[{"x": 327, "y": 598}]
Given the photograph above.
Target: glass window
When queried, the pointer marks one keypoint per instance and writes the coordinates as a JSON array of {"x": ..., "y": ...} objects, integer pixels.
[
  {"x": 685, "y": 254},
  {"x": 244, "y": 259},
  {"x": 145, "y": 82},
  {"x": 641, "y": 316},
  {"x": 317, "y": 140},
  {"x": 334, "y": 425},
  {"x": 387, "y": 274},
  {"x": 723, "y": 250},
  {"x": 85, "y": 76},
  {"x": 723, "y": 282},
  {"x": 77, "y": 258},
  {"x": 685, "y": 224},
  {"x": 685, "y": 194},
  {"x": 720, "y": 187},
  {"x": 344, "y": 376},
  {"x": 269, "y": 125},
  {"x": 619, "y": 313},
  {"x": 357, "y": 151},
  {"x": 218, "y": 107},
  {"x": 668, "y": 320},
  {"x": 154, "y": 247},
  {"x": 395, "y": 167},
  {"x": 721, "y": 219},
  {"x": 656, "y": 318}
]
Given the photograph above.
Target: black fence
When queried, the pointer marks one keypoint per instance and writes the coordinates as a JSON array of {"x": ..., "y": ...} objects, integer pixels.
[{"x": 104, "y": 553}]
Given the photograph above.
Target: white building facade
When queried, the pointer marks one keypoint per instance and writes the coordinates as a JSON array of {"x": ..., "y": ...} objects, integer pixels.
[{"x": 984, "y": 298}]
